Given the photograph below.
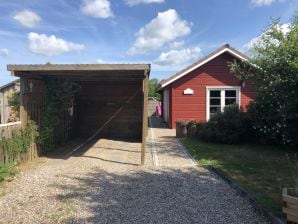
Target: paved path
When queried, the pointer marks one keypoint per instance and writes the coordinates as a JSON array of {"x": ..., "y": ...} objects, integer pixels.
[
  {"x": 103, "y": 183},
  {"x": 166, "y": 149}
]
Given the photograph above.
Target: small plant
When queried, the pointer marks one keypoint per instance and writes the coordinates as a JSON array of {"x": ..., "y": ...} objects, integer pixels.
[{"x": 7, "y": 171}]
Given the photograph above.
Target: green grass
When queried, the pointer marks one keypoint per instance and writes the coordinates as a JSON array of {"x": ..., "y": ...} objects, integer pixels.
[
  {"x": 7, "y": 171},
  {"x": 261, "y": 170}
]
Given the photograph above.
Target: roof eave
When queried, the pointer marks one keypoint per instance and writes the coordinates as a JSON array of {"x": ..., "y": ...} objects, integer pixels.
[{"x": 78, "y": 67}]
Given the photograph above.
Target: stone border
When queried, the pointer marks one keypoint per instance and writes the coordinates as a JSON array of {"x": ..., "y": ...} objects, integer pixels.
[
  {"x": 152, "y": 143},
  {"x": 186, "y": 152},
  {"x": 243, "y": 193}
]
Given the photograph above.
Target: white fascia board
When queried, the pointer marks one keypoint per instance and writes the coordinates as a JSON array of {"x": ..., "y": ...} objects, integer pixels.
[{"x": 202, "y": 63}]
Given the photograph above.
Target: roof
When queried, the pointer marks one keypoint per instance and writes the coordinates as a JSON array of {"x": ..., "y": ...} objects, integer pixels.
[
  {"x": 80, "y": 67},
  {"x": 224, "y": 49},
  {"x": 83, "y": 72},
  {"x": 9, "y": 84}
]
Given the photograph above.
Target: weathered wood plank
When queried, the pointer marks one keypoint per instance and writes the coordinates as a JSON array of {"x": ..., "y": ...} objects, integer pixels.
[
  {"x": 145, "y": 119},
  {"x": 290, "y": 199},
  {"x": 291, "y": 218},
  {"x": 289, "y": 211}
]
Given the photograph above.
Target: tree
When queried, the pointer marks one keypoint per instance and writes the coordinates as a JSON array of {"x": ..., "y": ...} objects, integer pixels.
[
  {"x": 273, "y": 68},
  {"x": 14, "y": 102},
  {"x": 153, "y": 84}
]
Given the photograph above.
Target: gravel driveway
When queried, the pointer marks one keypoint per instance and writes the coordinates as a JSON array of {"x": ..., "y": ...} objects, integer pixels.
[{"x": 104, "y": 184}]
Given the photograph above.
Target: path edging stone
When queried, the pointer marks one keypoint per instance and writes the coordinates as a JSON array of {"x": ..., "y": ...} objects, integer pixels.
[
  {"x": 185, "y": 150},
  {"x": 257, "y": 205}
]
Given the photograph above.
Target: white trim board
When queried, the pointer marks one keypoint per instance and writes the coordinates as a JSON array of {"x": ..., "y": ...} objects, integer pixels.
[
  {"x": 227, "y": 49},
  {"x": 221, "y": 88}
]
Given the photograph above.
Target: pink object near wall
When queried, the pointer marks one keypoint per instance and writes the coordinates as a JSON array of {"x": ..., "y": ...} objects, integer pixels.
[{"x": 158, "y": 109}]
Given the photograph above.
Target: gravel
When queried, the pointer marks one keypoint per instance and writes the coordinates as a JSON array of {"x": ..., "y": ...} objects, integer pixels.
[{"x": 106, "y": 185}]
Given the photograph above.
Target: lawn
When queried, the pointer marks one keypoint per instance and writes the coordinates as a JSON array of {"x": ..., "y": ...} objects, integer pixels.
[{"x": 260, "y": 170}]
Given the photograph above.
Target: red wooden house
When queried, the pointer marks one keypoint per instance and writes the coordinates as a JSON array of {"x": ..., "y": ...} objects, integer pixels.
[{"x": 204, "y": 88}]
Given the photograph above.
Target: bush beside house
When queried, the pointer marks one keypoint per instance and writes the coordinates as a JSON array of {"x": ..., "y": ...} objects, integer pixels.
[
  {"x": 275, "y": 75},
  {"x": 231, "y": 126}
]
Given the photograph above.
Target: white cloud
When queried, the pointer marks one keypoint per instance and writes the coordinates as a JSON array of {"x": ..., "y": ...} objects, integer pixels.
[
  {"x": 259, "y": 3},
  {"x": 284, "y": 28},
  {"x": 137, "y": 2},
  {"x": 100, "y": 61},
  {"x": 51, "y": 45},
  {"x": 178, "y": 57},
  {"x": 4, "y": 52},
  {"x": 166, "y": 27},
  {"x": 97, "y": 8},
  {"x": 176, "y": 44},
  {"x": 27, "y": 18}
]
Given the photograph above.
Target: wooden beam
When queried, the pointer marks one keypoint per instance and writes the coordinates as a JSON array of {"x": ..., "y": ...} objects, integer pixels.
[
  {"x": 145, "y": 118},
  {"x": 23, "y": 109}
]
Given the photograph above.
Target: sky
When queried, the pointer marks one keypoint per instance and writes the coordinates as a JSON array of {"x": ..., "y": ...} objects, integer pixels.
[{"x": 168, "y": 34}]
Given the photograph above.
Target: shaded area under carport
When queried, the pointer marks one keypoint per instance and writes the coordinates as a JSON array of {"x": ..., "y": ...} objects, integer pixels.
[{"x": 111, "y": 101}]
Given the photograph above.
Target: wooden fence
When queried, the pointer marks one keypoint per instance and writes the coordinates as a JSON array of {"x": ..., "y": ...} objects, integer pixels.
[{"x": 6, "y": 132}]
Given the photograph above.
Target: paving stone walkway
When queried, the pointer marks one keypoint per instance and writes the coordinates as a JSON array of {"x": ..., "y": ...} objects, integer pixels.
[{"x": 166, "y": 149}]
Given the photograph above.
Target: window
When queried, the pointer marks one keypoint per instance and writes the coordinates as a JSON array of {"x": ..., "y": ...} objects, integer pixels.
[
  {"x": 214, "y": 102},
  {"x": 218, "y": 98}
]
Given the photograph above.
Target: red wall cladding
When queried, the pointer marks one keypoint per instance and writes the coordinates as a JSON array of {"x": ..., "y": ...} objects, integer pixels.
[{"x": 214, "y": 73}]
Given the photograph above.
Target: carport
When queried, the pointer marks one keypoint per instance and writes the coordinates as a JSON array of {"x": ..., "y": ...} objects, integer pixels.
[{"x": 111, "y": 101}]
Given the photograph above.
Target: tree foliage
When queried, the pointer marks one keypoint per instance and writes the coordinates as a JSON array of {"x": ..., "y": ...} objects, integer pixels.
[
  {"x": 58, "y": 99},
  {"x": 14, "y": 102},
  {"x": 273, "y": 68},
  {"x": 153, "y": 84}
]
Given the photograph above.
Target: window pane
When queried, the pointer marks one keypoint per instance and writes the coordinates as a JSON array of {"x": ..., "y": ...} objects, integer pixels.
[
  {"x": 230, "y": 101},
  {"x": 214, "y": 93},
  {"x": 215, "y": 102},
  {"x": 230, "y": 93},
  {"x": 214, "y": 110}
]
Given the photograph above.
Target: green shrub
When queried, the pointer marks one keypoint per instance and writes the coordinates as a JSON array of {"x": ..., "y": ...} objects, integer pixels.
[
  {"x": 20, "y": 140},
  {"x": 231, "y": 126},
  {"x": 275, "y": 76}
]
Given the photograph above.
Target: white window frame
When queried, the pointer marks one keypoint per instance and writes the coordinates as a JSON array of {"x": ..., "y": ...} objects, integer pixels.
[{"x": 222, "y": 96}]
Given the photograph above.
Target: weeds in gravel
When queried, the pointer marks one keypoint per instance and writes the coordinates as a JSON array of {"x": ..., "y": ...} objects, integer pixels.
[
  {"x": 64, "y": 212},
  {"x": 7, "y": 171}
]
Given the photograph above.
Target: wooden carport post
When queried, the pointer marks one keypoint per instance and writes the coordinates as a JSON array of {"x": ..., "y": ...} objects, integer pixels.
[
  {"x": 145, "y": 117},
  {"x": 23, "y": 109}
]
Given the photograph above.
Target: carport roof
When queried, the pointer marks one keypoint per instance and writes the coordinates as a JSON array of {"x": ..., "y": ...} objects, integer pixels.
[{"x": 81, "y": 71}]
